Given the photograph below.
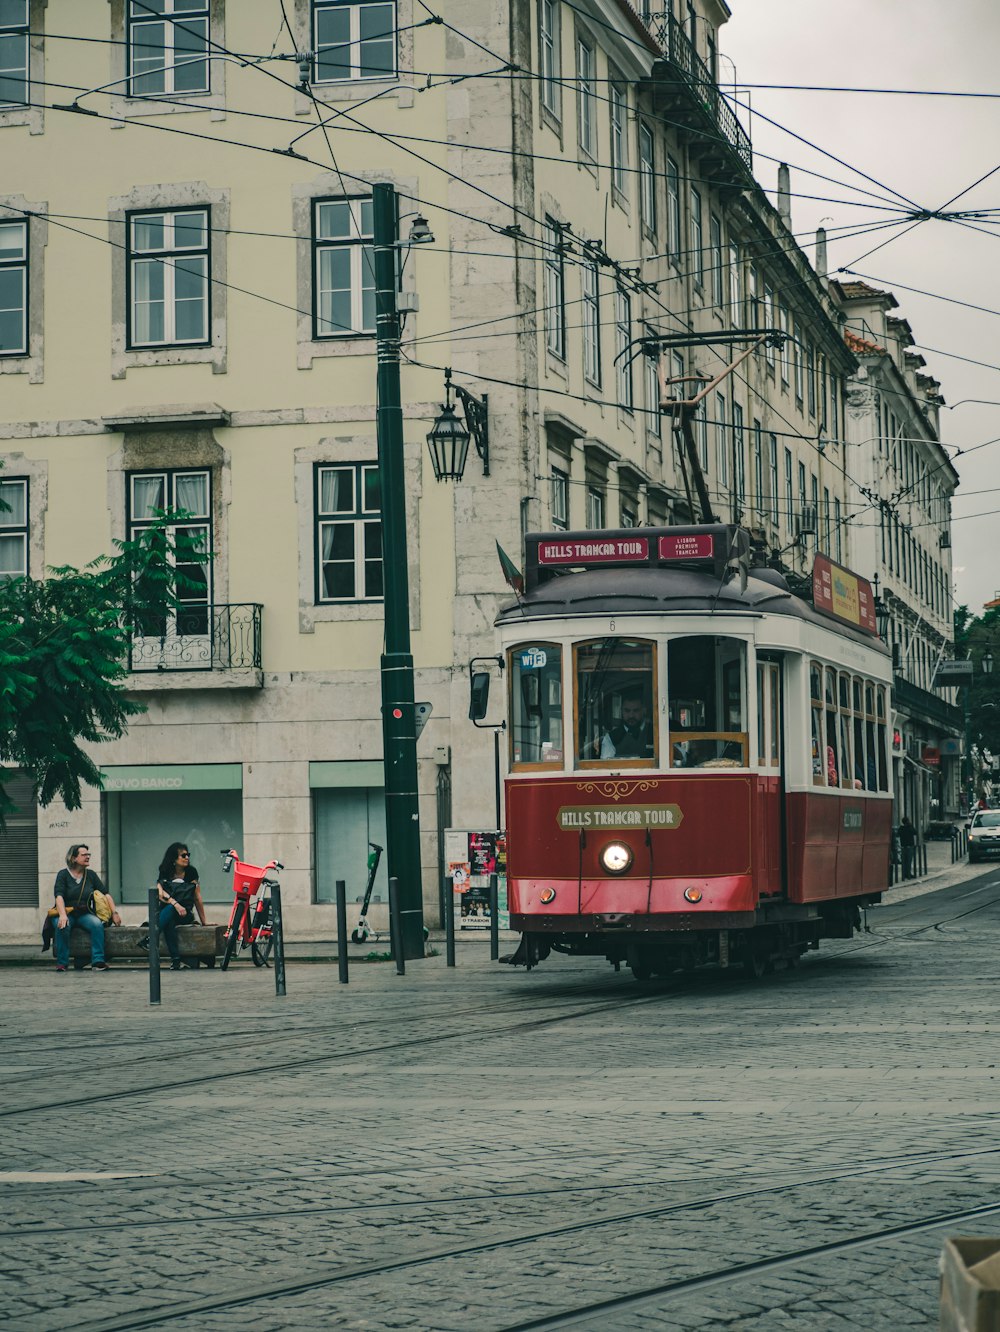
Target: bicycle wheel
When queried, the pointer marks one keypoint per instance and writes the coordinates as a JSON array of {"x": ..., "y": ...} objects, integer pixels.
[
  {"x": 260, "y": 950},
  {"x": 235, "y": 926}
]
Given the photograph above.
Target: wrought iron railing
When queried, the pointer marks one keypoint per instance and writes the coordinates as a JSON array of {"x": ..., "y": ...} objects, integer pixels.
[
  {"x": 199, "y": 638},
  {"x": 914, "y": 699},
  {"x": 679, "y": 50}
]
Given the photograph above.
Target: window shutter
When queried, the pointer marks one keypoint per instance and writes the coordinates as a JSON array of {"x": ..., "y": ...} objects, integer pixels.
[{"x": 19, "y": 847}]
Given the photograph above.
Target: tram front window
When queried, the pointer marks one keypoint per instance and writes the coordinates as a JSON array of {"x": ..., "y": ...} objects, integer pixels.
[
  {"x": 536, "y": 723},
  {"x": 616, "y": 702},
  {"x": 706, "y": 686}
]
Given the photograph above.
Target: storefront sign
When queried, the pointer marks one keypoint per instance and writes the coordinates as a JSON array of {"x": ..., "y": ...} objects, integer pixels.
[
  {"x": 174, "y": 777},
  {"x": 606, "y": 817},
  {"x": 930, "y": 755},
  {"x": 842, "y": 594},
  {"x": 617, "y": 550},
  {"x": 698, "y": 547}
]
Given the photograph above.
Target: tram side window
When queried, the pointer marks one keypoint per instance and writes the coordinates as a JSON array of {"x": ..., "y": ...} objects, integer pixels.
[
  {"x": 706, "y": 683},
  {"x": 880, "y": 727},
  {"x": 871, "y": 742},
  {"x": 616, "y": 702},
  {"x": 818, "y": 743},
  {"x": 536, "y": 719},
  {"x": 846, "y": 747},
  {"x": 830, "y": 758}
]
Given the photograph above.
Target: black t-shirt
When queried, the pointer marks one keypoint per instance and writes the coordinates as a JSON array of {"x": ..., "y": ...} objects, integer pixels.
[
  {"x": 182, "y": 889},
  {"x": 78, "y": 895}
]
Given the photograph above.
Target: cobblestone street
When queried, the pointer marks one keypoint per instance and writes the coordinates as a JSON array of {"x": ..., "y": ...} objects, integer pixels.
[{"x": 489, "y": 1149}]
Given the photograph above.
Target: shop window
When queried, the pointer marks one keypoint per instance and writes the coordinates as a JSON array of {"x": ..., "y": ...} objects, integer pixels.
[
  {"x": 536, "y": 714},
  {"x": 616, "y": 703},
  {"x": 345, "y": 820}
]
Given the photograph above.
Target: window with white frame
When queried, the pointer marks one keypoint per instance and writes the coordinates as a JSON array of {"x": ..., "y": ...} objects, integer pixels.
[
  {"x": 167, "y": 43},
  {"x": 13, "y": 288},
  {"x": 785, "y": 324},
  {"x": 618, "y": 116},
  {"x": 596, "y": 502},
  {"x": 353, "y": 39},
  {"x": 654, "y": 417},
  {"x": 13, "y": 52},
  {"x": 647, "y": 178},
  {"x": 697, "y": 261},
  {"x": 188, "y": 492},
  {"x": 629, "y": 511},
  {"x": 758, "y": 465},
  {"x": 721, "y": 440},
  {"x": 591, "y": 324},
  {"x": 769, "y": 322},
  {"x": 560, "y": 499},
  {"x": 168, "y": 278},
  {"x": 623, "y": 351},
  {"x": 343, "y": 268},
  {"x": 789, "y": 490},
  {"x": 586, "y": 82},
  {"x": 772, "y": 467},
  {"x": 348, "y": 532},
  {"x": 715, "y": 245},
  {"x": 555, "y": 290},
  {"x": 735, "y": 291},
  {"x": 673, "y": 210},
  {"x": 14, "y": 527},
  {"x": 550, "y": 64}
]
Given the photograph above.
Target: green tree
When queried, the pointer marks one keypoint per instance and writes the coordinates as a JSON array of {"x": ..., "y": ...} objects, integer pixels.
[
  {"x": 977, "y": 639},
  {"x": 64, "y": 645}
]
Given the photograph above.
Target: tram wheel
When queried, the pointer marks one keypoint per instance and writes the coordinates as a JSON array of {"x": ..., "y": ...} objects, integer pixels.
[{"x": 755, "y": 965}]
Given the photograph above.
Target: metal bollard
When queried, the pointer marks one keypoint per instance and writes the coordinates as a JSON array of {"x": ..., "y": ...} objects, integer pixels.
[
  {"x": 153, "y": 909},
  {"x": 449, "y": 920},
  {"x": 494, "y": 919},
  {"x": 278, "y": 934},
  {"x": 396, "y": 927},
  {"x": 342, "y": 930}
]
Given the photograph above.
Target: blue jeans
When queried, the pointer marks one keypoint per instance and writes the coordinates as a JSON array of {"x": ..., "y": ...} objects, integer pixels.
[
  {"x": 93, "y": 927},
  {"x": 169, "y": 920}
]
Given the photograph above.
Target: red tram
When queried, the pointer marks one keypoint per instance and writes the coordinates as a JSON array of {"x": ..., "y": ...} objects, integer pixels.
[{"x": 699, "y": 767}]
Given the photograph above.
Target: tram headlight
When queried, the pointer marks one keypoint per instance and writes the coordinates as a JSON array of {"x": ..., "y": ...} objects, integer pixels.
[{"x": 616, "y": 857}]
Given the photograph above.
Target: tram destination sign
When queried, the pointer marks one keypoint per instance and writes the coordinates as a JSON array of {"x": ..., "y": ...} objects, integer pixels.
[
  {"x": 843, "y": 595},
  {"x": 614, "y": 550}
]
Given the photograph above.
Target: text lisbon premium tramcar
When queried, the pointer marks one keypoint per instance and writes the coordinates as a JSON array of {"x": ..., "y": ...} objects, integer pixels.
[{"x": 698, "y": 767}]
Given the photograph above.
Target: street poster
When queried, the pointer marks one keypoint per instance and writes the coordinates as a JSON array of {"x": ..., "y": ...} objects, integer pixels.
[{"x": 472, "y": 855}]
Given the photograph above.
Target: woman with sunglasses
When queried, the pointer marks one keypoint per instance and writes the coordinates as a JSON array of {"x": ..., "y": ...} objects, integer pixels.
[{"x": 180, "y": 897}]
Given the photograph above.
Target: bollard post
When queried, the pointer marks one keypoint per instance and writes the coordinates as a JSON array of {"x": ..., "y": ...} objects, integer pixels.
[
  {"x": 153, "y": 909},
  {"x": 449, "y": 920},
  {"x": 494, "y": 919},
  {"x": 396, "y": 927},
  {"x": 342, "y": 930},
  {"x": 278, "y": 934}
]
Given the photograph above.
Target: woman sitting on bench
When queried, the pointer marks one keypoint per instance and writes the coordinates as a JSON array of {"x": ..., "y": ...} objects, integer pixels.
[{"x": 180, "y": 895}]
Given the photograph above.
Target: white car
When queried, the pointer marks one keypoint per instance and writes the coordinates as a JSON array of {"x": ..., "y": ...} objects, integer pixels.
[{"x": 984, "y": 834}]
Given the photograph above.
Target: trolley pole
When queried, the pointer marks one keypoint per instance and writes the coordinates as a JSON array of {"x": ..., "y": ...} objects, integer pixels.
[{"x": 399, "y": 738}]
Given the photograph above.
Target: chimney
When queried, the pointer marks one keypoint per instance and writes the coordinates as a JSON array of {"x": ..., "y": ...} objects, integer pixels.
[
  {"x": 821, "y": 251},
  {"x": 785, "y": 195}
]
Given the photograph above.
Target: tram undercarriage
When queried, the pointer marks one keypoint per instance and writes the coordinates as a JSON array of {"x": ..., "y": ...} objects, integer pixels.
[{"x": 758, "y": 942}]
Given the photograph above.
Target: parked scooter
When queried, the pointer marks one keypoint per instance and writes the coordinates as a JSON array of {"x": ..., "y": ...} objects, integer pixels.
[{"x": 364, "y": 932}]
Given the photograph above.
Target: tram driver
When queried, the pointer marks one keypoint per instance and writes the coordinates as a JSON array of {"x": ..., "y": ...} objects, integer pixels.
[{"x": 632, "y": 737}]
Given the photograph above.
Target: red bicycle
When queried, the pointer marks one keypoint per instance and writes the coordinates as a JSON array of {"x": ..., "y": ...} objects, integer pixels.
[{"x": 250, "y": 922}]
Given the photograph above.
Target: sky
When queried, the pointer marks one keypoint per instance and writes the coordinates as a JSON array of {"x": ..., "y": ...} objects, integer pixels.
[{"x": 927, "y": 149}]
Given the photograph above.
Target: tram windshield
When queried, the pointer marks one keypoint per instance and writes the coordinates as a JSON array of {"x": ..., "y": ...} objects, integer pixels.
[
  {"x": 616, "y": 702},
  {"x": 536, "y": 721},
  {"x": 706, "y": 686}
]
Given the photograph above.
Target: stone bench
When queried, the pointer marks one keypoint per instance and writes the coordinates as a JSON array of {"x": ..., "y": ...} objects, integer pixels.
[{"x": 198, "y": 944}]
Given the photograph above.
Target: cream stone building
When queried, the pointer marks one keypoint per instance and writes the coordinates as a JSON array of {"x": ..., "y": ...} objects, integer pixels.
[{"x": 186, "y": 320}]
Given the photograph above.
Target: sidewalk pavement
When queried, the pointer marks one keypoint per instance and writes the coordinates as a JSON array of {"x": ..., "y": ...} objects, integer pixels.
[{"x": 941, "y": 873}]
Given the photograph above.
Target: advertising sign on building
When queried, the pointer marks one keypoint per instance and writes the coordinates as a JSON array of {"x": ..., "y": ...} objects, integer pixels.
[
  {"x": 842, "y": 594},
  {"x": 616, "y": 550}
]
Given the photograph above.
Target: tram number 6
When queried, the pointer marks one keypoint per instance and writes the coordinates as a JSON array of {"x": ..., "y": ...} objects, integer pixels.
[{"x": 612, "y": 626}]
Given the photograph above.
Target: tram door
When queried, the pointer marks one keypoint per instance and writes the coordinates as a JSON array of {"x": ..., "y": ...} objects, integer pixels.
[{"x": 770, "y": 833}]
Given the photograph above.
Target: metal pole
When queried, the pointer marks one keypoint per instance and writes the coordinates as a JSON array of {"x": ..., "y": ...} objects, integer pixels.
[
  {"x": 278, "y": 934},
  {"x": 399, "y": 738},
  {"x": 496, "y": 774},
  {"x": 342, "y": 930},
  {"x": 494, "y": 919},
  {"x": 396, "y": 928},
  {"x": 153, "y": 911},
  {"x": 449, "y": 920}
]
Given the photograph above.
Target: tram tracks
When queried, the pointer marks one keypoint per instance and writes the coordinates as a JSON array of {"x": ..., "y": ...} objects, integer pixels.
[{"x": 249, "y": 1292}]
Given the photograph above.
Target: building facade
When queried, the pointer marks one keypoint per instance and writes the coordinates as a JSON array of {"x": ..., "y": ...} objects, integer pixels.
[{"x": 187, "y": 323}]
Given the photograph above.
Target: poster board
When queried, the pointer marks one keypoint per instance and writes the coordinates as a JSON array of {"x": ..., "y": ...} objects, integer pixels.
[{"x": 471, "y": 856}]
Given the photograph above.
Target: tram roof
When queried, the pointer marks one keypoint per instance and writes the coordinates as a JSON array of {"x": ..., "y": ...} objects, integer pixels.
[{"x": 656, "y": 591}]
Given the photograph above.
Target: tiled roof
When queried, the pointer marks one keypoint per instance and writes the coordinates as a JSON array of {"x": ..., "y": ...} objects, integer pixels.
[
  {"x": 856, "y": 290},
  {"x": 861, "y": 346}
]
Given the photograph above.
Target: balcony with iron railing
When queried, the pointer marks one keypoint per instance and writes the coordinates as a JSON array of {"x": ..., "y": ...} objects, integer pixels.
[
  {"x": 201, "y": 646},
  {"x": 922, "y": 704},
  {"x": 684, "y": 86}
]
